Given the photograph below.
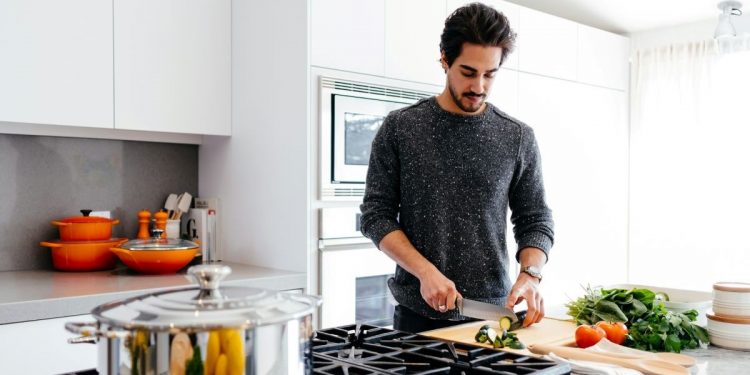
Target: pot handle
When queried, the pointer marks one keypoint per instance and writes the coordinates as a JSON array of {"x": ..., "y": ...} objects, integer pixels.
[
  {"x": 50, "y": 244},
  {"x": 91, "y": 330},
  {"x": 115, "y": 221},
  {"x": 82, "y": 340},
  {"x": 60, "y": 223}
]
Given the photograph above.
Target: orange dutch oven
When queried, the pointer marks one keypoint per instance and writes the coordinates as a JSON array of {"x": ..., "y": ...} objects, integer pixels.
[
  {"x": 85, "y": 228},
  {"x": 156, "y": 255},
  {"x": 83, "y": 256}
]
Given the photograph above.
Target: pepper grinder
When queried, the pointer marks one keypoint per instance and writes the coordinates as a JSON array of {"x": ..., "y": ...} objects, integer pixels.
[
  {"x": 143, "y": 221},
  {"x": 160, "y": 222}
]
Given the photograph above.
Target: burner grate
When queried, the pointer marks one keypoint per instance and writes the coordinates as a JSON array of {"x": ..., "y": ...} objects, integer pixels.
[{"x": 365, "y": 349}]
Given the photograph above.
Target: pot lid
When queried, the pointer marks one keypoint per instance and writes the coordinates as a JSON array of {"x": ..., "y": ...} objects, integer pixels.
[
  {"x": 158, "y": 243},
  {"x": 737, "y": 287},
  {"x": 206, "y": 307},
  {"x": 86, "y": 218}
]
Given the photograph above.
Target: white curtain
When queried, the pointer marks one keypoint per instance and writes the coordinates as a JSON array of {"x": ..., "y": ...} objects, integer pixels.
[{"x": 690, "y": 164}]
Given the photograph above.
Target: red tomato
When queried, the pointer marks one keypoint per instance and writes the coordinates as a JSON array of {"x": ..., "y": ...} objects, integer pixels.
[
  {"x": 588, "y": 335},
  {"x": 616, "y": 332}
]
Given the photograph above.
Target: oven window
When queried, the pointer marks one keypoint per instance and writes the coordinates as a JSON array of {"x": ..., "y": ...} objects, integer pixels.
[
  {"x": 359, "y": 130},
  {"x": 373, "y": 304}
]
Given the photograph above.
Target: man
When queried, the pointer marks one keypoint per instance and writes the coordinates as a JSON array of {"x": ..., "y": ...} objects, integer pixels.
[{"x": 441, "y": 177}]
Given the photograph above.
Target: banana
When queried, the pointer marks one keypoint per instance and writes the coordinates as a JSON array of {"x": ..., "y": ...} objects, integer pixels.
[
  {"x": 221, "y": 365},
  {"x": 213, "y": 349}
]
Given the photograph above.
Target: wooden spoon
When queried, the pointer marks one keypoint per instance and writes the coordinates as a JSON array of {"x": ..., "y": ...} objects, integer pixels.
[
  {"x": 611, "y": 348},
  {"x": 647, "y": 366}
]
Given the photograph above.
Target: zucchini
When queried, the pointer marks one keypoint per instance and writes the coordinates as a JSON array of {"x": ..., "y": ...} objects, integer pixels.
[{"x": 505, "y": 323}]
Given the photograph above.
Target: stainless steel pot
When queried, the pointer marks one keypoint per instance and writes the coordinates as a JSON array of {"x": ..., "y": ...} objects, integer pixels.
[{"x": 205, "y": 330}]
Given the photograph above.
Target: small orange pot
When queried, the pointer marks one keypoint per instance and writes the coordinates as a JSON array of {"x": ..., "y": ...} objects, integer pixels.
[
  {"x": 155, "y": 261},
  {"x": 83, "y": 256},
  {"x": 85, "y": 228},
  {"x": 156, "y": 255}
]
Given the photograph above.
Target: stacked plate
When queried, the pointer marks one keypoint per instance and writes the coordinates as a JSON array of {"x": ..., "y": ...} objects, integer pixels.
[{"x": 729, "y": 324}]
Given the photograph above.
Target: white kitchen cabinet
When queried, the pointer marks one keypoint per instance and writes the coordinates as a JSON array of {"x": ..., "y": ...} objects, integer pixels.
[
  {"x": 56, "y": 62},
  {"x": 582, "y": 135},
  {"x": 172, "y": 66},
  {"x": 602, "y": 58},
  {"x": 510, "y": 10},
  {"x": 348, "y": 35},
  {"x": 41, "y": 347},
  {"x": 504, "y": 91},
  {"x": 549, "y": 45},
  {"x": 412, "y": 40}
]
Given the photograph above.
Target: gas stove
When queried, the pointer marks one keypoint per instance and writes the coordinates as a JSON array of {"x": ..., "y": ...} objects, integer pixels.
[{"x": 365, "y": 349}]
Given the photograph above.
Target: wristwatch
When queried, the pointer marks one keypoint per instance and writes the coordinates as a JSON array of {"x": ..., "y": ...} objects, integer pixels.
[{"x": 533, "y": 271}]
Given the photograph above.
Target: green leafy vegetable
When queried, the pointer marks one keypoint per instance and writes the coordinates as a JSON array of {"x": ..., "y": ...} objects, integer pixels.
[
  {"x": 195, "y": 365},
  {"x": 651, "y": 326}
]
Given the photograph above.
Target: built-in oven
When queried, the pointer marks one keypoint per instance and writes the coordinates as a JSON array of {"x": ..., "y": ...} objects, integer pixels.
[
  {"x": 353, "y": 273},
  {"x": 350, "y": 115}
]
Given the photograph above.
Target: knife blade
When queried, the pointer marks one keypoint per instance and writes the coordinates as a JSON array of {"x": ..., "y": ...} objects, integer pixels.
[{"x": 484, "y": 310}]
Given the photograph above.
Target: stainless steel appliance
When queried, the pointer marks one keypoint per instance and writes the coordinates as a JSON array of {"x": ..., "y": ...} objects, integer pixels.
[
  {"x": 255, "y": 331},
  {"x": 350, "y": 115},
  {"x": 363, "y": 349},
  {"x": 353, "y": 272}
]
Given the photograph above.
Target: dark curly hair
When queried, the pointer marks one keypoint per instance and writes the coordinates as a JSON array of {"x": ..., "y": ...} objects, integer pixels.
[{"x": 476, "y": 23}]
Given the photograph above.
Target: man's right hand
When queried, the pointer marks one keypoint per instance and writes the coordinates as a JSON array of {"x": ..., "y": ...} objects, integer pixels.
[{"x": 438, "y": 291}]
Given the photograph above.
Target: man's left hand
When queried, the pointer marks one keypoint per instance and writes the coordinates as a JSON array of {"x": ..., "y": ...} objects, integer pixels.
[{"x": 527, "y": 287}]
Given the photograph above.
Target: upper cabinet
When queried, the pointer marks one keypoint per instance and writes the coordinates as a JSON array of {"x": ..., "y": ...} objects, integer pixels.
[
  {"x": 548, "y": 45},
  {"x": 412, "y": 40},
  {"x": 162, "y": 65},
  {"x": 602, "y": 58},
  {"x": 172, "y": 66},
  {"x": 56, "y": 62},
  {"x": 348, "y": 35}
]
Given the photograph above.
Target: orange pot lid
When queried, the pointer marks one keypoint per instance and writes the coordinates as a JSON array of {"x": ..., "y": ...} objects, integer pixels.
[
  {"x": 732, "y": 287},
  {"x": 86, "y": 218}
]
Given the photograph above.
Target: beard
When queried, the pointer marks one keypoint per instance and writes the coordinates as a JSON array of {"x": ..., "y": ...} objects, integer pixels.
[{"x": 470, "y": 108}]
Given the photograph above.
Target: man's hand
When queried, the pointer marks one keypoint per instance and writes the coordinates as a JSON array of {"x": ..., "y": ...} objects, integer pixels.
[
  {"x": 437, "y": 290},
  {"x": 526, "y": 287}
]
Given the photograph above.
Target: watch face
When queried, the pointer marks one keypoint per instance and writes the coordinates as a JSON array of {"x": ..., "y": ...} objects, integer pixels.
[{"x": 533, "y": 271}]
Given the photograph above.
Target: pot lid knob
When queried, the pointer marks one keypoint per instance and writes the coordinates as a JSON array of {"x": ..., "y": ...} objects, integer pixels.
[
  {"x": 209, "y": 276},
  {"x": 86, "y": 213}
]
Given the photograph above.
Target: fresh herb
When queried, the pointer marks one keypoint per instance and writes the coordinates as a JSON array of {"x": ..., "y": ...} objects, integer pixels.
[
  {"x": 652, "y": 326},
  {"x": 195, "y": 365}
]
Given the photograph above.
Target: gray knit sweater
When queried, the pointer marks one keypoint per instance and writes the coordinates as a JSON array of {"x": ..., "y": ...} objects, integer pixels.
[{"x": 447, "y": 181}]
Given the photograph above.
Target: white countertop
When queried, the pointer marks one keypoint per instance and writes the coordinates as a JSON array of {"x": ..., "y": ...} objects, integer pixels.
[{"x": 33, "y": 295}]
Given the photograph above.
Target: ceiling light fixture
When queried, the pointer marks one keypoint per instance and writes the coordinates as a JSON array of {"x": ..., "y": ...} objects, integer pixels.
[{"x": 728, "y": 9}]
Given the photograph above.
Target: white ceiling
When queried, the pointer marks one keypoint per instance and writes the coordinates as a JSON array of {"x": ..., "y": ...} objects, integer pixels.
[{"x": 628, "y": 16}]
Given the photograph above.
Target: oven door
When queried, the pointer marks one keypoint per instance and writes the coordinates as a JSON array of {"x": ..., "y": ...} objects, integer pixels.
[{"x": 356, "y": 120}]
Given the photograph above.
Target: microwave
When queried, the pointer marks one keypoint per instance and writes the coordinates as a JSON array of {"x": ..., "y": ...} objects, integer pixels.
[{"x": 350, "y": 115}]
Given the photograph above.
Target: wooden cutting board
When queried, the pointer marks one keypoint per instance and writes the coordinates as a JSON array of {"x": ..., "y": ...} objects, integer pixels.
[{"x": 548, "y": 331}]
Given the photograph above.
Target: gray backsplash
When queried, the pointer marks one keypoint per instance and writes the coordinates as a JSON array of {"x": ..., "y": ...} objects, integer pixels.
[{"x": 48, "y": 178}]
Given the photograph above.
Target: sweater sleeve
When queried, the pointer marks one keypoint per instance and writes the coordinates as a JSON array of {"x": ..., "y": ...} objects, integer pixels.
[
  {"x": 531, "y": 218},
  {"x": 382, "y": 190}
]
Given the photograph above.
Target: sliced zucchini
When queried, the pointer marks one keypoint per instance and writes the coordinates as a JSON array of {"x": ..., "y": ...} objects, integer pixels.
[{"x": 505, "y": 323}]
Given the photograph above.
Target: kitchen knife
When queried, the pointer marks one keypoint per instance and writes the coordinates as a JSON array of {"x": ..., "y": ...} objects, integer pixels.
[{"x": 484, "y": 310}]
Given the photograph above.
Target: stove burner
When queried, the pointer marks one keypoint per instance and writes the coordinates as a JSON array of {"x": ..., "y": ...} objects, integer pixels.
[{"x": 355, "y": 350}]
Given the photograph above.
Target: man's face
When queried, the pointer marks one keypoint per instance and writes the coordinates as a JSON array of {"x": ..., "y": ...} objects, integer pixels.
[{"x": 470, "y": 77}]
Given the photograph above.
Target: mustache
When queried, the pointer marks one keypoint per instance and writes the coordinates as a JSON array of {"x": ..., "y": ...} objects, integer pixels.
[{"x": 473, "y": 94}]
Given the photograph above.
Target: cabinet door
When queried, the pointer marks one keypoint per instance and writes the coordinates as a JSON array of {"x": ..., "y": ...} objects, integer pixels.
[
  {"x": 510, "y": 10},
  {"x": 504, "y": 91},
  {"x": 547, "y": 45},
  {"x": 41, "y": 347},
  {"x": 56, "y": 62},
  {"x": 602, "y": 58},
  {"x": 412, "y": 40},
  {"x": 582, "y": 136},
  {"x": 348, "y": 35},
  {"x": 173, "y": 65}
]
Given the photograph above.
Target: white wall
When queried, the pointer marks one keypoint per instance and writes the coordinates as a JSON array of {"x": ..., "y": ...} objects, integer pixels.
[
  {"x": 261, "y": 172},
  {"x": 689, "y": 32}
]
